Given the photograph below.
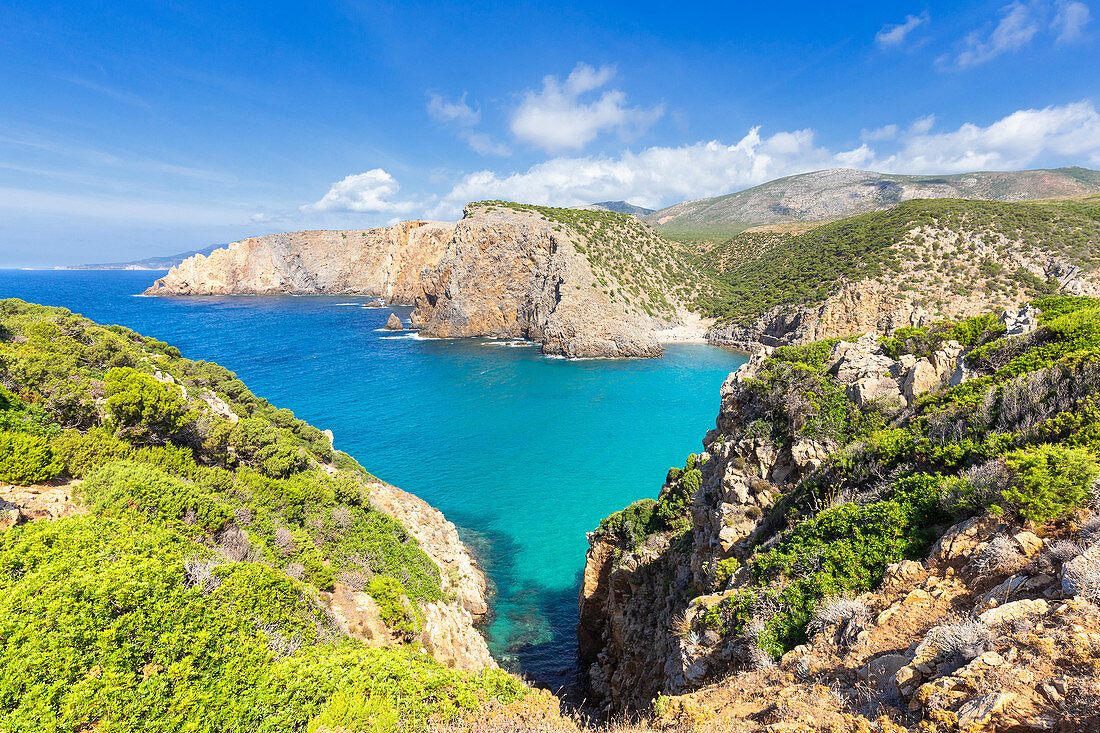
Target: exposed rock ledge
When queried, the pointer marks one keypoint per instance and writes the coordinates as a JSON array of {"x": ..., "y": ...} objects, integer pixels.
[
  {"x": 512, "y": 274},
  {"x": 384, "y": 263},
  {"x": 448, "y": 633}
]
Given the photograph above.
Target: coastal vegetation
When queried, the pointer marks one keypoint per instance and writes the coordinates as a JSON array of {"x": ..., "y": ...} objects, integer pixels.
[
  {"x": 187, "y": 590},
  {"x": 630, "y": 262},
  {"x": 1019, "y": 438},
  {"x": 940, "y": 244}
]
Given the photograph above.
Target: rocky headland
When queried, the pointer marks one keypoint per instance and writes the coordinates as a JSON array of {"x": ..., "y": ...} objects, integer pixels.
[
  {"x": 580, "y": 283},
  {"x": 384, "y": 263},
  {"x": 762, "y": 590}
]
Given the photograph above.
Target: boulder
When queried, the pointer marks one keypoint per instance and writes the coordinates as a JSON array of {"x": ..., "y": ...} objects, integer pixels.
[
  {"x": 1014, "y": 611},
  {"x": 394, "y": 323}
]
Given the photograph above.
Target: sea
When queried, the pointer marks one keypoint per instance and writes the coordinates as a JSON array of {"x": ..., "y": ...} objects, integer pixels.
[{"x": 524, "y": 453}]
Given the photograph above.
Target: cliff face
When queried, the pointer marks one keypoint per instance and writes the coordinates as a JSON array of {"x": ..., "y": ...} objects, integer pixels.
[
  {"x": 514, "y": 274},
  {"x": 383, "y": 262},
  {"x": 640, "y": 601}
]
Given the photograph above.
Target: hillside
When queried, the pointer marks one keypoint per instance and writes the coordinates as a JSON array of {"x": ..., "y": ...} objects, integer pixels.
[
  {"x": 894, "y": 534},
  {"x": 910, "y": 265},
  {"x": 620, "y": 207},
  {"x": 177, "y": 553},
  {"x": 833, "y": 194},
  {"x": 149, "y": 263}
]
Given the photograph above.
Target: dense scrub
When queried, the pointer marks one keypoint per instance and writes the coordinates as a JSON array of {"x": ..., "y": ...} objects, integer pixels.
[
  {"x": 989, "y": 444},
  {"x": 189, "y": 596},
  {"x": 756, "y": 271}
]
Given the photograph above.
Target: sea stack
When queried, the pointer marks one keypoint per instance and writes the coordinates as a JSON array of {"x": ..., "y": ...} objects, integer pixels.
[{"x": 394, "y": 323}]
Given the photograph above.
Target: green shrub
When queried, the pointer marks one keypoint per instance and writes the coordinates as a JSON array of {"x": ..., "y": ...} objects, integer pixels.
[
  {"x": 100, "y": 628},
  {"x": 26, "y": 459},
  {"x": 80, "y": 453},
  {"x": 1050, "y": 480},
  {"x": 125, "y": 488},
  {"x": 396, "y": 610},
  {"x": 144, "y": 409}
]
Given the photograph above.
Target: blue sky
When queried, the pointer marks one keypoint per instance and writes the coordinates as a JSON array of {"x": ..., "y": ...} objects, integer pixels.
[{"x": 133, "y": 129}]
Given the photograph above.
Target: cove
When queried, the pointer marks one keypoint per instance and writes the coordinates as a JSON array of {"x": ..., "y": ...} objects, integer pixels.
[{"x": 523, "y": 452}]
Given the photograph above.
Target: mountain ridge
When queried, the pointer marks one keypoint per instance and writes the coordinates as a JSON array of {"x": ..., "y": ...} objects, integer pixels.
[{"x": 835, "y": 193}]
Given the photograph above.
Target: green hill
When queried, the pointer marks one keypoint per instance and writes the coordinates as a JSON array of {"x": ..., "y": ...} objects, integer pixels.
[
  {"x": 190, "y": 595},
  {"x": 930, "y": 250},
  {"x": 833, "y": 194}
]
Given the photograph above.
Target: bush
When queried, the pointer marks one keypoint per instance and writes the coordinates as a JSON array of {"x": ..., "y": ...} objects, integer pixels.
[
  {"x": 1049, "y": 480},
  {"x": 99, "y": 623},
  {"x": 26, "y": 459},
  {"x": 144, "y": 409},
  {"x": 397, "y": 611},
  {"x": 80, "y": 453},
  {"x": 125, "y": 488}
]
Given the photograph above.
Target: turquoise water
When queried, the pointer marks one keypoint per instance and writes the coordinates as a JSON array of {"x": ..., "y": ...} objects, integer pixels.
[{"x": 524, "y": 453}]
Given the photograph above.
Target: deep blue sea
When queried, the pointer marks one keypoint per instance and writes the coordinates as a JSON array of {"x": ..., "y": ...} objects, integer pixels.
[{"x": 523, "y": 452}]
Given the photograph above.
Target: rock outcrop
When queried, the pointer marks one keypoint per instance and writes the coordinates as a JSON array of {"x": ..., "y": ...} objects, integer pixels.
[
  {"x": 514, "y": 274},
  {"x": 384, "y": 263},
  {"x": 393, "y": 323},
  {"x": 635, "y": 601},
  {"x": 503, "y": 271},
  {"x": 448, "y": 633}
]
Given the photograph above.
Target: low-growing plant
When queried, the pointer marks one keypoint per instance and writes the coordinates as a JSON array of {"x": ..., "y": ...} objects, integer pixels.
[{"x": 26, "y": 458}]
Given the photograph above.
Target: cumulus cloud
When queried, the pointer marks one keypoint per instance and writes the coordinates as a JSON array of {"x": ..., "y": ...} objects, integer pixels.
[
  {"x": 369, "y": 192},
  {"x": 894, "y": 35},
  {"x": 564, "y": 116},
  {"x": 458, "y": 112},
  {"x": 1070, "y": 21},
  {"x": 1070, "y": 131},
  {"x": 658, "y": 176}
]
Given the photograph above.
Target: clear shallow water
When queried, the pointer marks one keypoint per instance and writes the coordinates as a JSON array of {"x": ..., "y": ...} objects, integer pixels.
[{"x": 524, "y": 453}]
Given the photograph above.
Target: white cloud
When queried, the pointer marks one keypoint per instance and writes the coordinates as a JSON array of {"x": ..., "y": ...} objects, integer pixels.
[
  {"x": 556, "y": 118},
  {"x": 658, "y": 176},
  {"x": 1018, "y": 24},
  {"x": 458, "y": 112},
  {"x": 922, "y": 125},
  {"x": 886, "y": 132},
  {"x": 892, "y": 36},
  {"x": 370, "y": 192},
  {"x": 465, "y": 118},
  {"x": 1070, "y": 21},
  {"x": 1070, "y": 131},
  {"x": 484, "y": 143}
]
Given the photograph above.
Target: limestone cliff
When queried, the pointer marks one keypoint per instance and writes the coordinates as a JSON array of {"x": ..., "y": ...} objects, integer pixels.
[
  {"x": 384, "y": 263},
  {"x": 514, "y": 273}
]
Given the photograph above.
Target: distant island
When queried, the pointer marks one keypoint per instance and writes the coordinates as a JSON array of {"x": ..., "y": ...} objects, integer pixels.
[{"x": 149, "y": 263}]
